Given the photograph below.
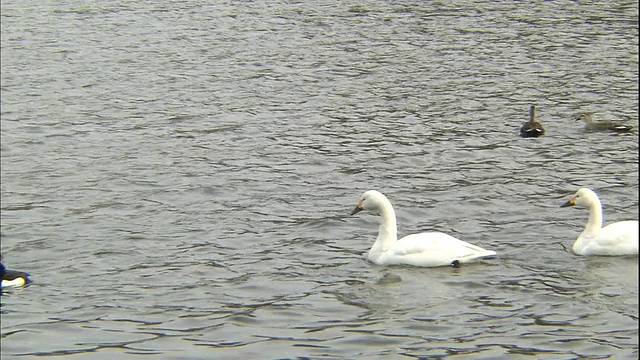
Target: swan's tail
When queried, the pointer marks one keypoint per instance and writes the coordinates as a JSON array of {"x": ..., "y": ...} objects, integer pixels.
[{"x": 485, "y": 254}]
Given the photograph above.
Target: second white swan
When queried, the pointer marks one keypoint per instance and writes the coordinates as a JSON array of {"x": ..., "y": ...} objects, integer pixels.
[
  {"x": 619, "y": 238},
  {"x": 429, "y": 249}
]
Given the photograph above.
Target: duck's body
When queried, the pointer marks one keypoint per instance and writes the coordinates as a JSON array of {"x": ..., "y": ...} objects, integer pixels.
[
  {"x": 532, "y": 128},
  {"x": 603, "y": 125},
  {"x": 620, "y": 238},
  {"x": 429, "y": 249},
  {"x": 12, "y": 278}
]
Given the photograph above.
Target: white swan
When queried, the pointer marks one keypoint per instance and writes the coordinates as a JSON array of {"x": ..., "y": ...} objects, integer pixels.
[
  {"x": 620, "y": 238},
  {"x": 428, "y": 249}
]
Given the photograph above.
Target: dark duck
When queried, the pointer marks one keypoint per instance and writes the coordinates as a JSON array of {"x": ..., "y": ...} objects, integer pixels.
[{"x": 532, "y": 128}]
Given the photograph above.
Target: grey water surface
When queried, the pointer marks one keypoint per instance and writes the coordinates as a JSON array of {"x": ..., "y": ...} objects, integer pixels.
[{"x": 177, "y": 177}]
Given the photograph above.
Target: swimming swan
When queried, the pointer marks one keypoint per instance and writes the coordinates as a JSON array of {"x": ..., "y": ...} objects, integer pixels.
[
  {"x": 620, "y": 238},
  {"x": 427, "y": 249}
]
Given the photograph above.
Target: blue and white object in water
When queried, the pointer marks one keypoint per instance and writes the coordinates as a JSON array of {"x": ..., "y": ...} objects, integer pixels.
[{"x": 13, "y": 278}]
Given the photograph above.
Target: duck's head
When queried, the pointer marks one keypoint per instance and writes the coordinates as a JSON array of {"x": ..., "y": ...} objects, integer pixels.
[
  {"x": 586, "y": 117},
  {"x": 369, "y": 201},
  {"x": 583, "y": 198}
]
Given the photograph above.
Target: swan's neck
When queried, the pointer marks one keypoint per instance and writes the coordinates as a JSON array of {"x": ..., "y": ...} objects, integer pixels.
[
  {"x": 388, "y": 232},
  {"x": 594, "y": 224}
]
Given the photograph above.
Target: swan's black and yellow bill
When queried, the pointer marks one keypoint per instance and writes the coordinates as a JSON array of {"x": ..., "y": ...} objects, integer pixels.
[
  {"x": 358, "y": 208},
  {"x": 570, "y": 202}
]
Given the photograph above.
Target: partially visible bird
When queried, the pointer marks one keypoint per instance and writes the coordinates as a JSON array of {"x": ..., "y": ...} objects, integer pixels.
[
  {"x": 603, "y": 125},
  {"x": 532, "y": 128}
]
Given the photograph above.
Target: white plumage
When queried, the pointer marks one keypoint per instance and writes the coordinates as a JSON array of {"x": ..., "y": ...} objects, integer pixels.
[
  {"x": 429, "y": 249},
  {"x": 620, "y": 238}
]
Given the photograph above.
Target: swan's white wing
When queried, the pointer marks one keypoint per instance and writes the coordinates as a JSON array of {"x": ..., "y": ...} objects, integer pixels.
[
  {"x": 619, "y": 238},
  {"x": 434, "y": 249},
  {"x": 433, "y": 241}
]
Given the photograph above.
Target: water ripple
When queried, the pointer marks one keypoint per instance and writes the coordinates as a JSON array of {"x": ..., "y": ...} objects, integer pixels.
[{"x": 178, "y": 180}]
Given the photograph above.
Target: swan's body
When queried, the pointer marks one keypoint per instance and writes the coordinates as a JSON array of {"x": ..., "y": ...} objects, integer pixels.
[
  {"x": 620, "y": 238},
  {"x": 603, "y": 125},
  {"x": 425, "y": 249},
  {"x": 532, "y": 128}
]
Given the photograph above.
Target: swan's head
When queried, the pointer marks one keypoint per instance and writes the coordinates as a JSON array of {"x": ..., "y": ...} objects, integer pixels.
[
  {"x": 586, "y": 117},
  {"x": 583, "y": 197},
  {"x": 370, "y": 201}
]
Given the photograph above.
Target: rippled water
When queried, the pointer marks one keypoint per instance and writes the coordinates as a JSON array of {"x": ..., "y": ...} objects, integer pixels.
[{"x": 177, "y": 177}]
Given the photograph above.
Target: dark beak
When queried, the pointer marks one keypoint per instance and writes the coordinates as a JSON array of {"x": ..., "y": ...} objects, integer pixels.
[
  {"x": 569, "y": 203},
  {"x": 356, "y": 210}
]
